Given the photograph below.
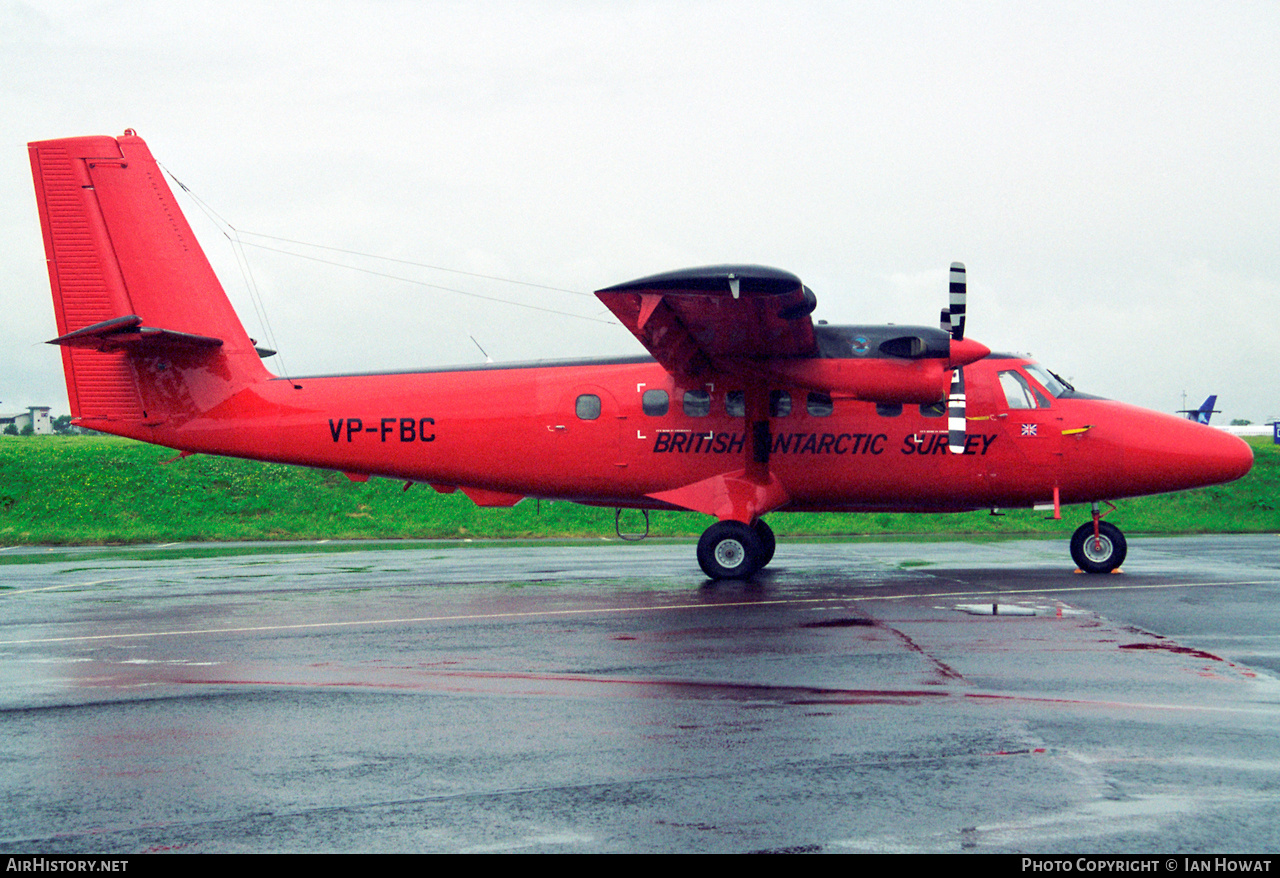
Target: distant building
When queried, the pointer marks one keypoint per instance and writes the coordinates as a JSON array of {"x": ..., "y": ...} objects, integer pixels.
[{"x": 36, "y": 417}]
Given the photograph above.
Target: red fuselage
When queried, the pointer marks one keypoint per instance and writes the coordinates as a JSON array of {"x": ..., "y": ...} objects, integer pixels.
[{"x": 517, "y": 430}]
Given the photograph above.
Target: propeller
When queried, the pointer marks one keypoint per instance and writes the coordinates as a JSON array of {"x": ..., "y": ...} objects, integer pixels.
[{"x": 953, "y": 320}]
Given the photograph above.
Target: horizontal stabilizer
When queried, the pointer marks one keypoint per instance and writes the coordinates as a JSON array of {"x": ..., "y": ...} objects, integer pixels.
[{"x": 128, "y": 333}]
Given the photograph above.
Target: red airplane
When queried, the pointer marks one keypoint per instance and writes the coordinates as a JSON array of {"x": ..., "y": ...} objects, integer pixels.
[{"x": 746, "y": 406}]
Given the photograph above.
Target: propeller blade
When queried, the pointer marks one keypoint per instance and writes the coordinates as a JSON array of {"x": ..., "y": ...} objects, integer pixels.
[
  {"x": 955, "y": 413},
  {"x": 955, "y": 401},
  {"x": 959, "y": 288}
]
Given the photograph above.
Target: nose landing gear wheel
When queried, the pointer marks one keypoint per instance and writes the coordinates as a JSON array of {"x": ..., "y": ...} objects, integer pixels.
[
  {"x": 1100, "y": 554},
  {"x": 729, "y": 550}
]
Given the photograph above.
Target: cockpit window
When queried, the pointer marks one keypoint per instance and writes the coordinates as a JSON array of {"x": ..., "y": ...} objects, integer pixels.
[
  {"x": 1047, "y": 379},
  {"x": 1017, "y": 392}
]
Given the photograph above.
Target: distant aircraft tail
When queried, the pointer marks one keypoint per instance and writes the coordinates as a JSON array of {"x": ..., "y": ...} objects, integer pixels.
[
  {"x": 148, "y": 336},
  {"x": 1202, "y": 414}
]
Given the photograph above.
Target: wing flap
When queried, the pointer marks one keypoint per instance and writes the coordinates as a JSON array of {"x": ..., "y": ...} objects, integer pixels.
[{"x": 697, "y": 318}]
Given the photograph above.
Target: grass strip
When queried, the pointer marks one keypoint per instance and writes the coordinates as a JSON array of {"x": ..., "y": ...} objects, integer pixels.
[{"x": 102, "y": 490}]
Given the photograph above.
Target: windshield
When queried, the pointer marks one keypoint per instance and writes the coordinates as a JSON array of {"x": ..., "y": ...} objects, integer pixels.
[{"x": 1047, "y": 379}]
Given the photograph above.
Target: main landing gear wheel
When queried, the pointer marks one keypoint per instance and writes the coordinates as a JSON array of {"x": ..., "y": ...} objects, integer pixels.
[
  {"x": 768, "y": 542},
  {"x": 1100, "y": 554},
  {"x": 730, "y": 550}
]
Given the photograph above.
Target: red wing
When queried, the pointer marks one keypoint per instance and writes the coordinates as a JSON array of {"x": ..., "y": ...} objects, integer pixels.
[{"x": 694, "y": 318}]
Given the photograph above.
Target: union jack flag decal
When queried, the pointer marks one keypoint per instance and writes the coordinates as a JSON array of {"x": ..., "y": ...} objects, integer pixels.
[{"x": 1029, "y": 429}]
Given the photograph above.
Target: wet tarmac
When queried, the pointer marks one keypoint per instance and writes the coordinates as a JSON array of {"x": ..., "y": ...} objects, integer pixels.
[{"x": 858, "y": 696}]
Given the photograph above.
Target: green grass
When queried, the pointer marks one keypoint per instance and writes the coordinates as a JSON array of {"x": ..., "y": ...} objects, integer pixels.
[{"x": 96, "y": 490}]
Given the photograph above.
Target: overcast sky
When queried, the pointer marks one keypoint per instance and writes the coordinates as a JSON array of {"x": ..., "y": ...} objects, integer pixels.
[{"x": 1109, "y": 172}]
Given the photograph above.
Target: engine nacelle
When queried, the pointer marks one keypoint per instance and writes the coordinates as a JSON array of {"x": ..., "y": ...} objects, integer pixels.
[{"x": 888, "y": 381}]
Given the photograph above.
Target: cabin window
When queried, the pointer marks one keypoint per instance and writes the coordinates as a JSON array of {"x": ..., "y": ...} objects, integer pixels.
[
  {"x": 697, "y": 403},
  {"x": 735, "y": 404},
  {"x": 888, "y": 410},
  {"x": 588, "y": 407},
  {"x": 1017, "y": 392},
  {"x": 655, "y": 402},
  {"x": 779, "y": 404},
  {"x": 934, "y": 410},
  {"x": 819, "y": 405}
]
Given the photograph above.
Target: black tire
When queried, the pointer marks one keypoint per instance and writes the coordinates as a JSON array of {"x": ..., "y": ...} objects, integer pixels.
[
  {"x": 729, "y": 550},
  {"x": 1102, "y": 555},
  {"x": 768, "y": 542}
]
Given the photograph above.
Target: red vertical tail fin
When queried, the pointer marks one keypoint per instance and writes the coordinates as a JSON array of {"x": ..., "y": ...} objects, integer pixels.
[{"x": 147, "y": 333}]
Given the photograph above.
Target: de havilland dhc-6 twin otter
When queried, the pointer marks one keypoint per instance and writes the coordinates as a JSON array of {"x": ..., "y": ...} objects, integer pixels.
[{"x": 744, "y": 406}]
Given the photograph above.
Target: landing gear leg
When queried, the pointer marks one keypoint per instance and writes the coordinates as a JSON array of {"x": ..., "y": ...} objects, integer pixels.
[
  {"x": 730, "y": 550},
  {"x": 1098, "y": 547}
]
